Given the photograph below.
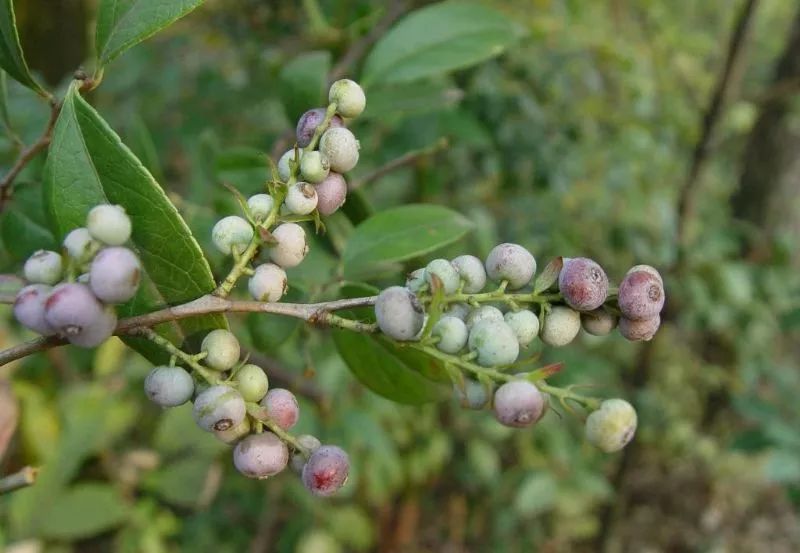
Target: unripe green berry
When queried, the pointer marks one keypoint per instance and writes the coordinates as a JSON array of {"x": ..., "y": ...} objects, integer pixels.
[
  {"x": 446, "y": 273},
  {"x": 340, "y": 146},
  {"x": 399, "y": 313},
  {"x": 598, "y": 322},
  {"x": 472, "y": 273},
  {"x": 561, "y": 326},
  {"x": 109, "y": 224},
  {"x": 641, "y": 295},
  {"x": 231, "y": 233},
  {"x": 639, "y": 331},
  {"x": 291, "y": 247},
  {"x": 260, "y": 206},
  {"x": 79, "y": 244},
  {"x": 314, "y": 167},
  {"x": 221, "y": 348},
  {"x": 43, "y": 267},
  {"x": 252, "y": 382},
  {"x": 495, "y": 343},
  {"x": 29, "y": 308},
  {"x": 349, "y": 97},
  {"x": 289, "y": 159},
  {"x": 525, "y": 325},
  {"x": 115, "y": 274},
  {"x": 331, "y": 194},
  {"x": 459, "y": 311},
  {"x": 474, "y": 395},
  {"x": 268, "y": 283},
  {"x": 484, "y": 313},
  {"x": 518, "y": 403},
  {"x": 219, "y": 408},
  {"x": 452, "y": 333},
  {"x": 583, "y": 283},
  {"x": 260, "y": 455},
  {"x": 612, "y": 426},
  {"x": 416, "y": 280},
  {"x": 282, "y": 407},
  {"x": 310, "y": 444},
  {"x": 326, "y": 470},
  {"x": 301, "y": 199},
  {"x": 234, "y": 434},
  {"x": 511, "y": 262},
  {"x": 169, "y": 386}
]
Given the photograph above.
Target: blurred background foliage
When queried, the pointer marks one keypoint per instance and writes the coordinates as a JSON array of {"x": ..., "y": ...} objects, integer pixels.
[{"x": 587, "y": 135}]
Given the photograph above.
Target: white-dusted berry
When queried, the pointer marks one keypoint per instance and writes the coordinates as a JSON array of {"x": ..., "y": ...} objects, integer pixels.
[
  {"x": 43, "y": 267},
  {"x": 638, "y": 331},
  {"x": 115, "y": 274},
  {"x": 29, "y": 308},
  {"x": 641, "y": 295},
  {"x": 472, "y": 273},
  {"x": 511, "y": 262},
  {"x": 310, "y": 444},
  {"x": 268, "y": 283},
  {"x": 474, "y": 395},
  {"x": 252, "y": 382},
  {"x": 289, "y": 159},
  {"x": 219, "y": 408},
  {"x": 648, "y": 269},
  {"x": 314, "y": 167},
  {"x": 71, "y": 308},
  {"x": 583, "y": 283},
  {"x": 326, "y": 470},
  {"x": 340, "y": 146},
  {"x": 301, "y": 199},
  {"x": 260, "y": 455},
  {"x": 260, "y": 206},
  {"x": 611, "y": 427},
  {"x": 518, "y": 404},
  {"x": 282, "y": 407},
  {"x": 97, "y": 332},
  {"x": 109, "y": 224},
  {"x": 452, "y": 333},
  {"x": 495, "y": 343},
  {"x": 446, "y": 273},
  {"x": 234, "y": 434},
  {"x": 291, "y": 247},
  {"x": 598, "y": 322},
  {"x": 331, "y": 194},
  {"x": 309, "y": 122},
  {"x": 525, "y": 325},
  {"x": 399, "y": 313},
  {"x": 415, "y": 280},
  {"x": 169, "y": 386},
  {"x": 222, "y": 349},
  {"x": 232, "y": 233},
  {"x": 79, "y": 244},
  {"x": 349, "y": 97},
  {"x": 484, "y": 313},
  {"x": 561, "y": 326},
  {"x": 459, "y": 311}
]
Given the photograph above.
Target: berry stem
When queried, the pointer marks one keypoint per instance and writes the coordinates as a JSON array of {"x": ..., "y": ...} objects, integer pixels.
[
  {"x": 564, "y": 394},
  {"x": 260, "y": 414},
  {"x": 173, "y": 350}
]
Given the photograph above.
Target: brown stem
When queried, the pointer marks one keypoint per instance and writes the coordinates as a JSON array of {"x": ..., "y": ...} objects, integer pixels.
[{"x": 21, "y": 479}]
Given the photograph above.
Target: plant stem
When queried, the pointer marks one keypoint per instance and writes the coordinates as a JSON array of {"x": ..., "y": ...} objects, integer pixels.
[
  {"x": 172, "y": 349},
  {"x": 260, "y": 414},
  {"x": 565, "y": 393},
  {"x": 21, "y": 479}
]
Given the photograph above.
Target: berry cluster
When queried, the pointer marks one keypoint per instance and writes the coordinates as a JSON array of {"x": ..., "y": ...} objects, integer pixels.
[
  {"x": 232, "y": 400},
  {"x": 444, "y": 305},
  {"x": 80, "y": 309}
]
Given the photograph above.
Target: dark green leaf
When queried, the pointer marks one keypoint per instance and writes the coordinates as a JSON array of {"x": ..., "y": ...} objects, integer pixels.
[
  {"x": 399, "y": 234},
  {"x": 302, "y": 83},
  {"x": 89, "y": 165},
  {"x": 24, "y": 226},
  {"x": 437, "y": 39},
  {"x": 409, "y": 98},
  {"x": 181, "y": 482},
  {"x": 83, "y": 511},
  {"x": 376, "y": 364},
  {"x": 270, "y": 331},
  {"x": 11, "y": 57},
  {"x": 125, "y": 23}
]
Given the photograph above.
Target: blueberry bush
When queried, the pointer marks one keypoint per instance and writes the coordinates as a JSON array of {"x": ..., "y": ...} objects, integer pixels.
[{"x": 448, "y": 275}]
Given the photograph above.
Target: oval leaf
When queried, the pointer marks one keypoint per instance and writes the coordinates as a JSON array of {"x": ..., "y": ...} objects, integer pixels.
[
  {"x": 399, "y": 234},
  {"x": 302, "y": 83},
  {"x": 83, "y": 511},
  {"x": 125, "y": 23},
  {"x": 437, "y": 39},
  {"x": 375, "y": 363},
  {"x": 24, "y": 226},
  {"x": 87, "y": 165},
  {"x": 11, "y": 56}
]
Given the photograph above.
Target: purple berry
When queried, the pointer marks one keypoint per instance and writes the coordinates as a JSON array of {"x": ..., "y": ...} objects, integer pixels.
[
  {"x": 73, "y": 311},
  {"x": 641, "y": 295},
  {"x": 115, "y": 275},
  {"x": 583, "y": 283},
  {"x": 309, "y": 122},
  {"x": 518, "y": 403},
  {"x": 326, "y": 470},
  {"x": 637, "y": 331},
  {"x": 29, "y": 308},
  {"x": 260, "y": 455},
  {"x": 282, "y": 408},
  {"x": 98, "y": 332},
  {"x": 331, "y": 194}
]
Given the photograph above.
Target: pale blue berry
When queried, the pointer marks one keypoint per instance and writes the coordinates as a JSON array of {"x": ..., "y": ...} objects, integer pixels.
[
  {"x": 518, "y": 403},
  {"x": 416, "y": 280},
  {"x": 169, "y": 386},
  {"x": 511, "y": 262},
  {"x": 340, "y": 146},
  {"x": 495, "y": 343},
  {"x": 472, "y": 273},
  {"x": 219, "y": 408},
  {"x": 231, "y": 234},
  {"x": 287, "y": 161},
  {"x": 399, "y": 313},
  {"x": 445, "y": 272},
  {"x": 525, "y": 325},
  {"x": 484, "y": 313},
  {"x": 452, "y": 334},
  {"x": 260, "y": 206},
  {"x": 291, "y": 247},
  {"x": 268, "y": 283}
]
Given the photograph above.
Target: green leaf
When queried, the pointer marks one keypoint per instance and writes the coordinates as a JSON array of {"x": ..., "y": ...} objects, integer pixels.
[
  {"x": 411, "y": 98},
  {"x": 536, "y": 494},
  {"x": 24, "y": 226},
  {"x": 302, "y": 83},
  {"x": 268, "y": 332},
  {"x": 437, "y": 39},
  {"x": 181, "y": 482},
  {"x": 376, "y": 364},
  {"x": 83, "y": 511},
  {"x": 11, "y": 57},
  {"x": 548, "y": 276},
  {"x": 88, "y": 165},
  {"x": 125, "y": 23},
  {"x": 399, "y": 234}
]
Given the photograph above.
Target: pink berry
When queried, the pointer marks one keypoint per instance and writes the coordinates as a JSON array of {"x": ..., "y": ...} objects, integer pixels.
[
  {"x": 637, "y": 331},
  {"x": 331, "y": 194},
  {"x": 29, "y": 308},
  {"x": 260, "y": 455},
  {"x": 74, "y": 312},
  {"x": 326, "y": 470},
  {"x": 518, "y": 403},
  {"x": 583, "y": 283},
  {"x": 281, "y": 405},
  {"x": 115, "y": 274},
  {"x": 641, "y": 296}
]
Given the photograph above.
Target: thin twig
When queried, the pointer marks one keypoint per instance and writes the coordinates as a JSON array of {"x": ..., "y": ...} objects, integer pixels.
[
  {"x": 26, "y": 155},
  {"x": 20, "y": 479},
  {"x": 408, "y": 158}
]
